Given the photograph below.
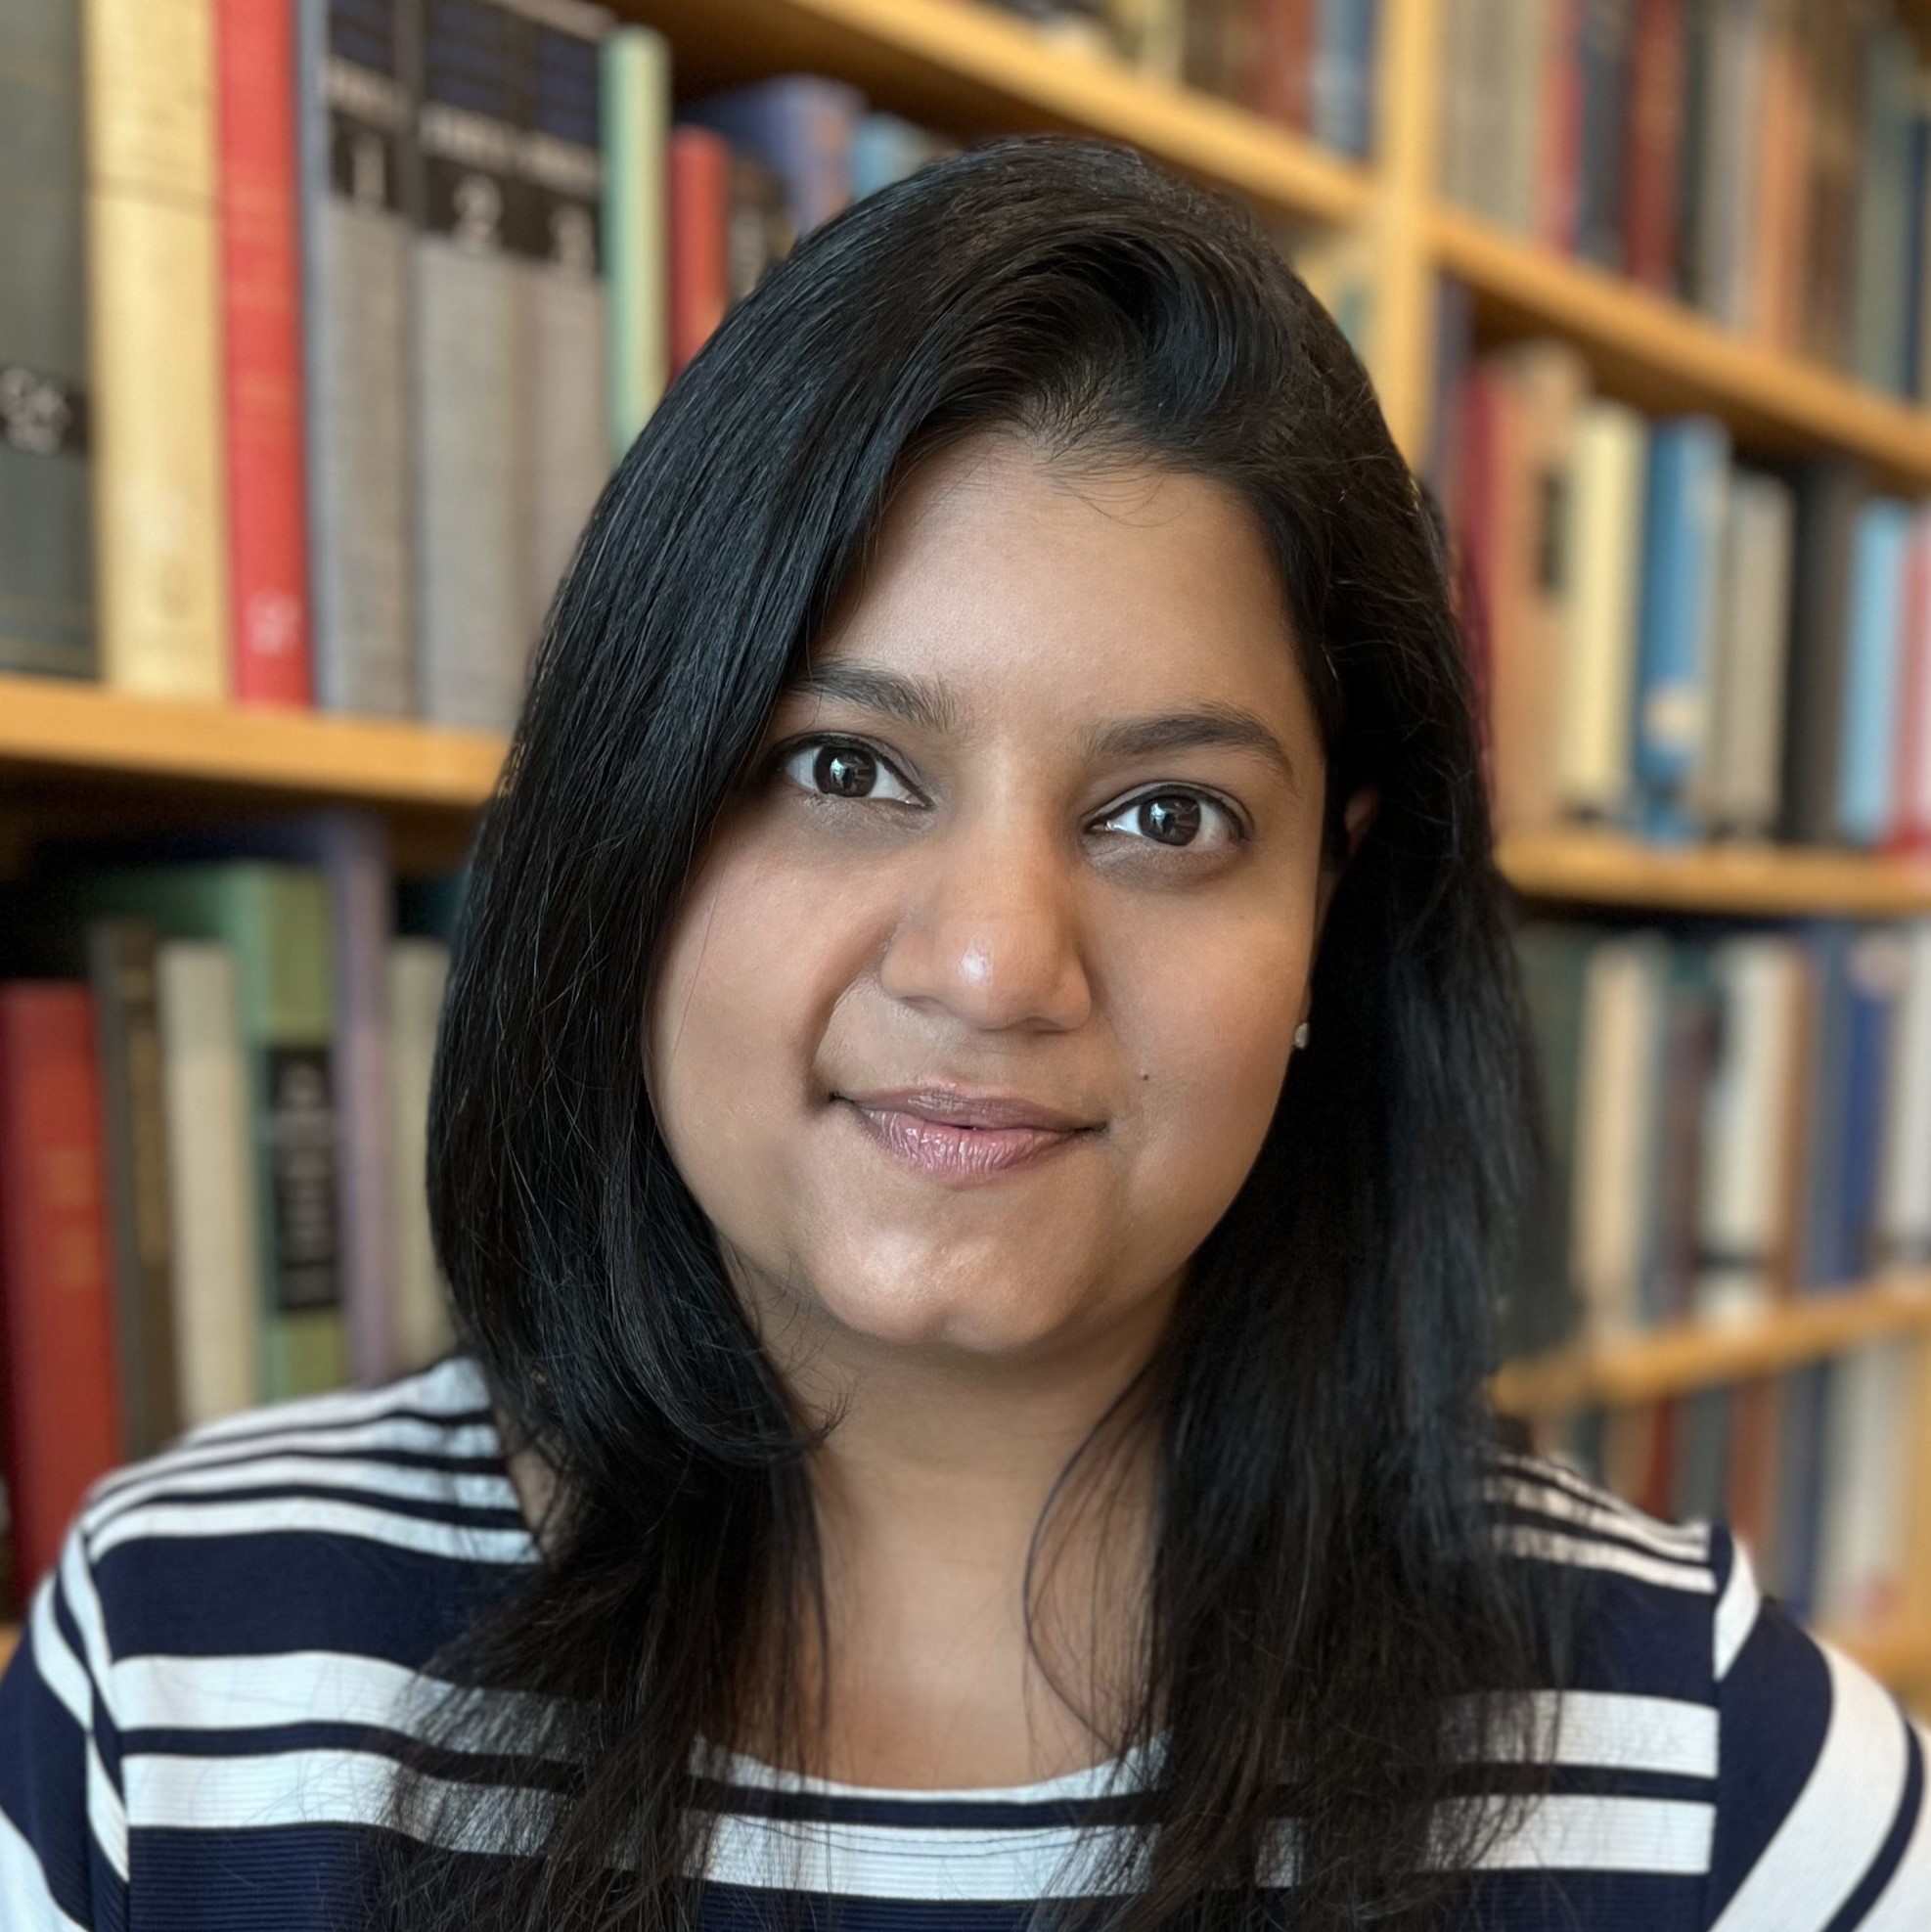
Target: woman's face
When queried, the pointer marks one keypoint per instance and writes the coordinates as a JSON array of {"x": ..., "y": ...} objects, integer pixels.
[{"x": 997, "y": 889}]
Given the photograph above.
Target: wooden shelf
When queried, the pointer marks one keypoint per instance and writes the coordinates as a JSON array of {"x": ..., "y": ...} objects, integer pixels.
[
  {"x": 1662, "y": 355},
  {"x": 964, "y": 67},
  {"x": 49, "y": 725},
  {"x": 1599, "y": 868},
  {"x": 1688, "y": 1355}
]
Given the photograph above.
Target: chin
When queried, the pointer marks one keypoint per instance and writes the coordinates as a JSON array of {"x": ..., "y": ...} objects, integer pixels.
[{"x": 951, "y": 1319}]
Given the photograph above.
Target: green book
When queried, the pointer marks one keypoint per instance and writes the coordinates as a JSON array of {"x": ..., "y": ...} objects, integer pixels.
[
  {"x": 636, "y": 125},
  {"x": 275, "y": 918},
  {"x": 46, "y": 526}
]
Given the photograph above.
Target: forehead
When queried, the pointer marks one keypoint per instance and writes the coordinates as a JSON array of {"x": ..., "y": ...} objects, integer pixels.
[{"x": 1015, "y": 582}]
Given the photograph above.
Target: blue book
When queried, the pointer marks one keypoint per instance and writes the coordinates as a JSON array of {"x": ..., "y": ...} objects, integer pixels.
[
  {"x": 1870, "y": 1008},
  {"x": 1868, "y": 727},
  {"x": 1682, "y": 530},
  {"x": 1341, "y": 96},
  {"x": 886, "y": 148},
  {"x": 800, "y": 125},
  {"x": 1820, "y": 1235}
]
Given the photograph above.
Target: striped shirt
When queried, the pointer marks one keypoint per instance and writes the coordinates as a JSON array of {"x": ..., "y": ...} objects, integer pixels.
[{"x": 200, "y": 1722}]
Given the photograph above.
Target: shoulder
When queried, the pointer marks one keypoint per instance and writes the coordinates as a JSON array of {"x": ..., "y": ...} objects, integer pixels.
[
  {"x": 363, "y": 1521},
  {"x": 1795, "y": 1782},
  {"x": 228, "y": 1625}
]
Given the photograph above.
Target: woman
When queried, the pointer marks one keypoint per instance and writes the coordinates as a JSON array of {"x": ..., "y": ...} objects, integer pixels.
[{"x": 979, "y": 1114}]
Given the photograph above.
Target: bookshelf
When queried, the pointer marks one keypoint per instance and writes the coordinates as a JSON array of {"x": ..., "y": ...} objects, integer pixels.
[{"x": 74, "y": 754}]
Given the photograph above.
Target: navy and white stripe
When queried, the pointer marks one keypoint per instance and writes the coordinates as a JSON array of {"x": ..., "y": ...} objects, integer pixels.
[{"x": 201, "y": 1720}]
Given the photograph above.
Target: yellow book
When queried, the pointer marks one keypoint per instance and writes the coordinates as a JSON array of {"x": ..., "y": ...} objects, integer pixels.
[{"x": 155, "y": 346}]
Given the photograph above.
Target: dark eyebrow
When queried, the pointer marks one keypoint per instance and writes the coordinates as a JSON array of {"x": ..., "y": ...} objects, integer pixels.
[{"x": 928, "y": 707}]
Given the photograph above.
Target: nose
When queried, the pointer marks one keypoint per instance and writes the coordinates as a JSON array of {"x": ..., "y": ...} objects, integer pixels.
[{"x": 991, "y": 929}]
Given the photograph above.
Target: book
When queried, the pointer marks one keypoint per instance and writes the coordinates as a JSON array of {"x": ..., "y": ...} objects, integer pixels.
[
  {"x": 358, "y": 168},
  {"x": 215, "y": 1211},
  {"x": 1687, "y": 483},
  {"x": 635, "y": 132},
  {"x": 120, "y": 960},
  {"x": 700, "y": 169},
  {"x": 1830, "y": 492},
  {"x": 46, "y": 485},
  {"x": 260, "y": 230},
  {"x": 417, "y": 971},
  {"x": 160, "y": 525},
  {"x": 470, "y": 423},
  {"x": 1902, "y": 1233},
  {"x": 799, "y": 124},
  {"x": 276, "y": 919},
  {"x": 1543, "y": 384},
  {"x": 1604, "y": 548},
  {"x": 1743, "y": 1207},
  {"x": 1735, "y": 789},
  {"x": 556, "y": 234},
  {"x": 61, "y": 1410},
  {"x": 1873, "y": 630}
]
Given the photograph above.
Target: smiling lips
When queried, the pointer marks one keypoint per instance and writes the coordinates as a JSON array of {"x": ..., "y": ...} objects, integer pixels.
[{"x": 955, "y": 1135}]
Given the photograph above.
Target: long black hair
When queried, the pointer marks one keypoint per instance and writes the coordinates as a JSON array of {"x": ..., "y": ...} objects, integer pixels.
[{"x": 1333, "y": 1632}]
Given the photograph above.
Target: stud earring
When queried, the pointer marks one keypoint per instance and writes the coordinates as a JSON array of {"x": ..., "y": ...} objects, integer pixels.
[{"x": 1301, "y": 1034}]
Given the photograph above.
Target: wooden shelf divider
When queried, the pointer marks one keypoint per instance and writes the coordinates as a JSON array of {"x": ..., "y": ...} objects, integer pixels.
[
  {"x": 1686, "y": 1356},
  {"x": 51, "y": 725},
  {"x": 1603, "y": 867}
]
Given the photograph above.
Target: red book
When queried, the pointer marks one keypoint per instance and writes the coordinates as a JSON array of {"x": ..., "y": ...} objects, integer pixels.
[
  {"x": 57, "y": 1346},
  {"x": 700, "y": 230},
  {"x": 261, "y": 350},
  {"x": 1654, "y": 149},
  {"x": 1560, "y": 193},
  {"x": 1283, "y": 49}
]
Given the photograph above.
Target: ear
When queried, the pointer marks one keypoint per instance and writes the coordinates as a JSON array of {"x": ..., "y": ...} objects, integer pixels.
[{"x": 1358, "y": 815}]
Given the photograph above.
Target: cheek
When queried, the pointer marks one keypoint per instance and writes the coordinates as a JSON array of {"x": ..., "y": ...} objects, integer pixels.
[
  {"x": 730, "y": 1024},
  {"x": 1211, "y": 1028}
]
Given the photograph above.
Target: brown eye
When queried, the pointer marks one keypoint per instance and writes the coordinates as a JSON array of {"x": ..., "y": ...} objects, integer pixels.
[
  {"x": 840, "y": 769},
  {"x": 1173, "y": 818}
]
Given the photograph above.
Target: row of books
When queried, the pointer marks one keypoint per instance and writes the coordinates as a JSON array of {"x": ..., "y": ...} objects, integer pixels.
[
  {"x": 1768, "y": 160},
  {"x": 214, "y": 1101},
  {"x": 1674, "y": 642},
  {"x": 376, "y": 291},
  {"x": 1735, "y": 1117},
  {"x": 1816, "y": 1472},
  {"x": 1307, "y": 64}
]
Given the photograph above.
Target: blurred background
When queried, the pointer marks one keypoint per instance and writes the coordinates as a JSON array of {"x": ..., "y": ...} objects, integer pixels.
[{"x": 323, "y": 323}]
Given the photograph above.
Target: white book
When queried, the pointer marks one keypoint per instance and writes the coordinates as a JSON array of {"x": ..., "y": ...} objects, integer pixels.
[
  {"x": 211, "y": 1180},
  {"x": 1903, "y": 1200},
  {"x": 1616, "y": 1101},
  {"x": 418, "y": 969},
  {"x": 1864, "y": 1517},
  {"x": 1604, "y": 546},
  {"x": 1747, "y": 1125}
]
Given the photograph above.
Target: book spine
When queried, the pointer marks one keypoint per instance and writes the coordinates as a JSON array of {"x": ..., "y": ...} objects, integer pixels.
[
  {"x": 1687, "y": 479},
  {"x": 121, "y": 958},
  {"x": 357, "y": 145},
  {"x": 159, "y": 505},
  {"x": 557, "y": 233},
  {"x": 636, "y": 135},
  {"x": 470, "y": 373},
  {"x": 1655, "y": 138},
  {"x": 212, "y": 1201},
  {"x": 699, "y": 225},
  {"x": 60, "y": 1410},
  {"x": 417, "y": 971},
  {"x": 46, "y": 528},
  {"x": 261, "y": 341},
  {"x": 1868, "y": 735}
]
